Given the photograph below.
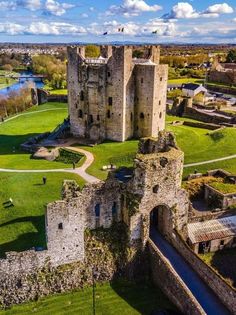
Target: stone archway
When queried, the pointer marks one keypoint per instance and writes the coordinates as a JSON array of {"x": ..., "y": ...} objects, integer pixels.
[{"x": 162, "y": 220}]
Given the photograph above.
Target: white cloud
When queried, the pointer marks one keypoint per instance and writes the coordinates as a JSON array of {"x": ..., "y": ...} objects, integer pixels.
[
  {"x": 56, "y": 8},
  {"x": 184, "y": 10},
  {"x": 42, "y": 28},
  {"x": 31, "y": 5},
  {"x": 49, "y": 6},
  {"x": 160, "y": 27},
  {"x": 132, "y": 8},
  {"x": 220, "y": 8}
]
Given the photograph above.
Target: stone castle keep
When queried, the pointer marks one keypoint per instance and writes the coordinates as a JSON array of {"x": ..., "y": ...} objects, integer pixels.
[{"x": 116, "y": 96}]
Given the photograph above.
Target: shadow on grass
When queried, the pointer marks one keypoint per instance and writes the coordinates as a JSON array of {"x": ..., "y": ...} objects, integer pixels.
[
  {"x": 224, "y": 262},
  {"x": 27, "y": 240},
  {"x": 10, "y": 144}
]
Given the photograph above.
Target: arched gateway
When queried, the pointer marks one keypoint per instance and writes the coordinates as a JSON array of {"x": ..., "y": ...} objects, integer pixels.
[{"x": 161, "y": 220}]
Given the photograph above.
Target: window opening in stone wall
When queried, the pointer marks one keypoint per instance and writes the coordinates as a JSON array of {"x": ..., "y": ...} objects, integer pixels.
[
  {"x": 141, "y": 115},
  {"x": 91, "y": 119},
  {"x": 97, "y": 210},
  {"x": 80, "y": 113},
  {"x": 108, "y": 74},
  {"x": 160, "y": 115},
  {"x": 108, "y": 114},
  {"x": 141, "y": 80},
  {"x": 131, "y": 116},
  {"x": 97, "y": 215},
  {"x": 155, "y": 189},
  {"x": 161, "y": 78},
  {"x": 82, "y": 95},
  {"x": 114, "y": 211},
  {"x": 60, "y": 226},
  {"x": 98, "y": 118},
  {"x": 159, "y": 102},
  {"x": 110, "y": 101}
]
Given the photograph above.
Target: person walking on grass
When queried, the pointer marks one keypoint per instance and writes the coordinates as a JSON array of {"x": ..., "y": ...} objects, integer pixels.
[{"x": 44, "y": 180}]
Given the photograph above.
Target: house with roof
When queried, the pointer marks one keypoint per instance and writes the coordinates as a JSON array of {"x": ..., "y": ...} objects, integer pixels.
[
  {"x": 212, "y": 235},
  {"x": 193, "y": 89}
]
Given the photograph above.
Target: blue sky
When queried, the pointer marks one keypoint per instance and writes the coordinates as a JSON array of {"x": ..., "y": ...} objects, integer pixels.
[{"x": 193, "y": 21}]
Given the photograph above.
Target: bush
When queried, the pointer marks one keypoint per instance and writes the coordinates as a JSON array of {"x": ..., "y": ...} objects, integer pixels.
[{"x": 68, "y": 157}]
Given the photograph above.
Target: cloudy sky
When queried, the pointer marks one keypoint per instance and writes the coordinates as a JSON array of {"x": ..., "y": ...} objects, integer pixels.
[{"x": 195, "y": 21}]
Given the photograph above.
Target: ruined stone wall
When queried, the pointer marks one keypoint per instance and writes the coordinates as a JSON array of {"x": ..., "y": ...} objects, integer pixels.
[
  {"x": 97, "y": 205},
  {"x": 226, "y": 77},
  {"x": 195, "y": 114},
  {"x": 171, "y": 284},
  {"x": 157, "y": 182},
  {"x": 29, "y": 275},
  {"x": 225, "y": 292}
]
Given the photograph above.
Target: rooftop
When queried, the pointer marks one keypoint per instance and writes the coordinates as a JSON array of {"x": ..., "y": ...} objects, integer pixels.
[
  {"x": 212, "y": 229},
  {"x": 192, "y": 86}
]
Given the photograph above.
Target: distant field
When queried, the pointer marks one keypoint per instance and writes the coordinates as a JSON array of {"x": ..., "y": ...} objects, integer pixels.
[
  {"x": 23, "y": 226},
  {"x": 185, "y": 80},
  {"x": 118, "y": 298}
]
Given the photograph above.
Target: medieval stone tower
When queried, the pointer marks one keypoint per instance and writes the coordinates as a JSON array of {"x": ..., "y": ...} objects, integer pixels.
[{"x": 116, "y": 96}]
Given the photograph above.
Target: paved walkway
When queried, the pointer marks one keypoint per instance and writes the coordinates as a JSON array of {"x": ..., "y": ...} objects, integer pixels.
[
  {"x": 81, "y": 171},
  {"x": 211, "y": 161},
  {"x": 204, "y": 295}
]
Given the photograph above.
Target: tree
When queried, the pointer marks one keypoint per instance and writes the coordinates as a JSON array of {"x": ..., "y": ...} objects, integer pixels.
[
  {"x": 92, "y": 51},
  {"x": 7, "y": 67},
  {"x": 231, "y": 57}
]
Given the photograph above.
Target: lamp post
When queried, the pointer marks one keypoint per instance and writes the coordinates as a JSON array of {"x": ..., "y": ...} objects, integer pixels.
[{"x": 94, "y": 274}]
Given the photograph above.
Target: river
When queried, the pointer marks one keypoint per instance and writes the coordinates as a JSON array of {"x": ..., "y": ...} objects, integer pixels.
[{"x": 21, "y": 82}]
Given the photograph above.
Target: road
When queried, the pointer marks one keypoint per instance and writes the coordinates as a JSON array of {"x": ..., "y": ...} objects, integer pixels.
[{"x": 204, "y": 295}]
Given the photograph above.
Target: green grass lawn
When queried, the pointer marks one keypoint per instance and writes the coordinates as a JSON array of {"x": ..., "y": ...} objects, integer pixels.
[
  {"x": 5, "y": 82},
  {"x": 22, "y": 226},
  {"x": 198, "y": 145},
  {"x": 119, "y": 154},
  {"x": 223, "y": 261},
  {"x": 228, "y": 165},
  {"x": 224, "y": 188},
  {"x": 118, "y": 298},
  {"x": 58, "y": 92},
  {"x": 28, "y": 124},
  {"x": 186, "y": 80}
]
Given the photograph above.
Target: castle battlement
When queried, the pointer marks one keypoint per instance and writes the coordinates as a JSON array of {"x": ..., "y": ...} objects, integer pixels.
[{"x": 116, "y": 96}]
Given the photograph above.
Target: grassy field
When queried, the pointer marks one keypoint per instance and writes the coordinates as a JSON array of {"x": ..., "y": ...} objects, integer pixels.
[
  {"x": 58, "y": 92},
  {"x": 14, "y": 132},
  {"x": 22, "y": 226},
  {"x": 198, "y": 145},
  {"x": 119, "y": 298},
  {"x": 119, "y": 154},
  {"x": 223, "y": 262},
  {"x": 186, "y": 80}
]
